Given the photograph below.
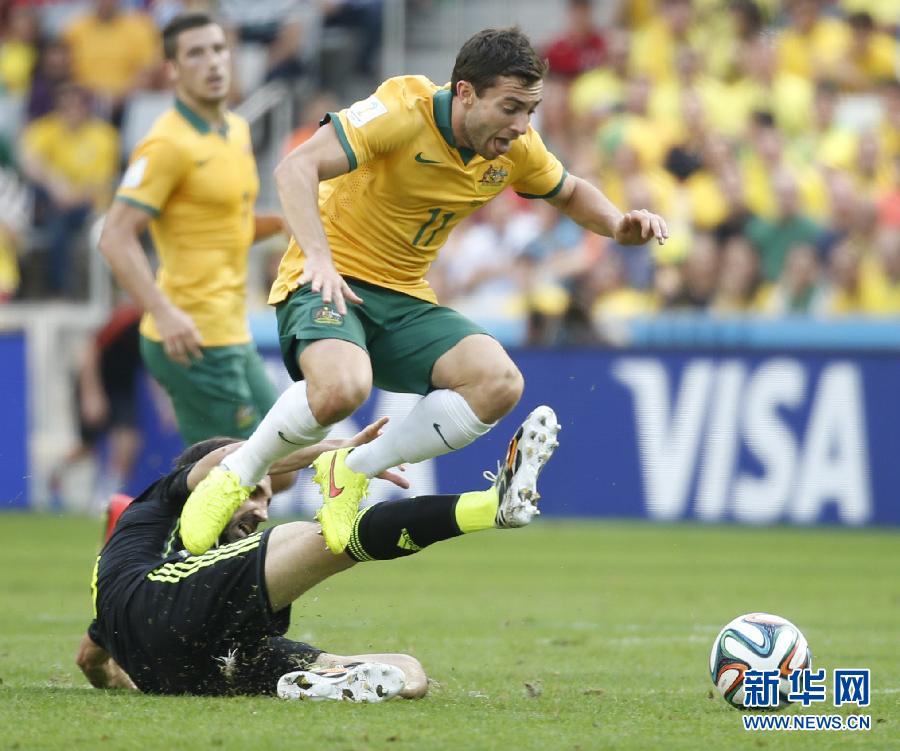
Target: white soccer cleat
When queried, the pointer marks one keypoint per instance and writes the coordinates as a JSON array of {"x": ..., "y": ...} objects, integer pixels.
[
  {"x": 366, "y": 682},
  {"x": 516, "y": 479}
]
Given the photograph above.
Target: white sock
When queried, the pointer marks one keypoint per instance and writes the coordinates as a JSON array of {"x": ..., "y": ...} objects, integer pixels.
[
  {"x": 288, "y": 426},
  {"x": 442, "y": 422}
]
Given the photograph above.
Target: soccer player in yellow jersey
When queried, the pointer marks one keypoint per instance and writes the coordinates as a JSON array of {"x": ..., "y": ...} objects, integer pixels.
[
  {"x": 193, "y": 180},
  {"x": 370, "y": 199}
]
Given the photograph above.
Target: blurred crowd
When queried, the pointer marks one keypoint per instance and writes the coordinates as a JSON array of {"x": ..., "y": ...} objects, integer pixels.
[{"x": 766, "y": 133}]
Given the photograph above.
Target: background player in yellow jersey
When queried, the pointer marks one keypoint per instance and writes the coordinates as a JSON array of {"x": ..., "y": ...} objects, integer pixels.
[
  {"x": 370, "y": 200},
  {"x": 193, "y": 180}
]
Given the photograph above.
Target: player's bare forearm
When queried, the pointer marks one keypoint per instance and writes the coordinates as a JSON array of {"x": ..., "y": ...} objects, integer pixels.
[
  {"x": 98, "y": 666},
  {"x": 298, "y": 190},
  {"x": 306, "y": 456},
  {"x": 322, "y": 157},
  {"x": 120, "y": 246},
  {"x": 299, "y": 459},
  {"x": 266, "y": 225},
  {"x": 203, "y": 467},
  {"x": 122, "y": 250},
  {"x": 297, "y": 178},
  {"x": 302, "y": 458},
  {"x": 587, "y": 205}
]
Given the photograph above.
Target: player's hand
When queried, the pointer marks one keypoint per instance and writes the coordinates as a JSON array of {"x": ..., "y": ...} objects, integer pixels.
[
  {"x": 180, "y": 336},
  {"x": 99, "y": 667},
  {"x": 324, "y": 279},
  {"x": 399, "y": 480},
  {"x": 306, "y": 456},
  {"x": 636, "y": 227},
  {"x": 370, "y": 433},
  {"x": 366, "y": 435}
]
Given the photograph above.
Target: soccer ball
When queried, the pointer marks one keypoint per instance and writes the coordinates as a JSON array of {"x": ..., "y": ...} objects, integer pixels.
[{"x": 757, "y": 641}]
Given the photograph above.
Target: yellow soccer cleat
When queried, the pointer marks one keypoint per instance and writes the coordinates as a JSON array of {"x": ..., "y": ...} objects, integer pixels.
[
  {"x": 342, "y": 490},
  {"x": 210, "y": 507}
]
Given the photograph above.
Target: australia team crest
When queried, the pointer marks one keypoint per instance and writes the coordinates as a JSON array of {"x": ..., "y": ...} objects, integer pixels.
[
  {"x": 493, "y": 177},
  {"x": 328, "y": 316}
]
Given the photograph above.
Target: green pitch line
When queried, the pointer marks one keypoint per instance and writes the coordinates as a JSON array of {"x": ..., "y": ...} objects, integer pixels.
[{"x": 559, "y": 636}]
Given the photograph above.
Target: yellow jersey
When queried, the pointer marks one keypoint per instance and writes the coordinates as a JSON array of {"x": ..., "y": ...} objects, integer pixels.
[
  {"x": 408, "y": 186},
  {"x": 108, "y": 56},
  {"x": 816, "y": 54},
  {"x": 199, "y": 185},
  {"x": 87, "y": 156}
]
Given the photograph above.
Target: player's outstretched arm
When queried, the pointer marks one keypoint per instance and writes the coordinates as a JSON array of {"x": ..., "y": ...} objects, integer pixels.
[
  {"x": 299, "y": 459},
  {"x": 306, "y": 456},
  {"x": 100, "y": 668},
  {"x": 297, "y": 177},
  {"x": 587, "y": 205},
  {"x": 122, "y": 249}
]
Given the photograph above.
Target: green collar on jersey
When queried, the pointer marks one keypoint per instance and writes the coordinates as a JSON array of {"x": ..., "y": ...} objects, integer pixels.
[
  {"x": 200, "y": 125},
  {"x": 443, "y": 107}
]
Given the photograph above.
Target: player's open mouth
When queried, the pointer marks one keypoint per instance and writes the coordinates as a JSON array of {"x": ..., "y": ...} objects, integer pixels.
[
  {"x": 246, "y": 529},
  {"x": 501, "y": 145}
]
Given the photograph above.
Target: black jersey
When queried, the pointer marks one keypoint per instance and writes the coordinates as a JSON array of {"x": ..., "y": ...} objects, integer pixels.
[{"x": 178, "y": 623}]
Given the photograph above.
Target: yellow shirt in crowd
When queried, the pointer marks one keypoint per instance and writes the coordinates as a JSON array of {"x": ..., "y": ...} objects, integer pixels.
[
  {"x": 107, "y": 56},
  {"x": 814, "y": 54},
  {"x": 17, "y": 61},
  {"x": 86, "y": 156}
]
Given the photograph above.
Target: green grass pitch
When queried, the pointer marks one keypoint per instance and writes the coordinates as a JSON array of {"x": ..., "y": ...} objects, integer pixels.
[{"x": 559, "y": 636}]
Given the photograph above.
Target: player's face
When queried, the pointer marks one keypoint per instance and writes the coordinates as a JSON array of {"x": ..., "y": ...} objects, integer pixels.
[
  {"x": 499, "y": 116},
  {"x": 202, "y": 64},
  {"x": 250, "y": 514}
]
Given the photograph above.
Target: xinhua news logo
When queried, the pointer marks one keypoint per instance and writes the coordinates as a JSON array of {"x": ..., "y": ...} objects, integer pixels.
[{"x": 849, "y": 686}]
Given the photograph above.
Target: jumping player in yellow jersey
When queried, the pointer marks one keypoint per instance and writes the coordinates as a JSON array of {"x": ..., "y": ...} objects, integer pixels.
[
  {"x": 193, "y": 180},
  {"x": 370, "y": 200}
]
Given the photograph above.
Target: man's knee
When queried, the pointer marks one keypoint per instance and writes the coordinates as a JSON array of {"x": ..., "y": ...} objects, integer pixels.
[
  {"x": 296, "y": 560},
  {"x": 336, "y": 399},
  {"x": 496, "y": 391},
  {"x": 338, "y": 378},
  {"x": 481, "y": 371}
]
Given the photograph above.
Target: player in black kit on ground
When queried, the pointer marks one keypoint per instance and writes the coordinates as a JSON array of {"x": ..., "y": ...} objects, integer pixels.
[{"x": 167, "y": 622}]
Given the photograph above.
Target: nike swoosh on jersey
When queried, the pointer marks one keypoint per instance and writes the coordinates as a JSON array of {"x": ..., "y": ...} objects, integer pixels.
[
  {"x": 422, "y": 160},
  {"x": 201, "y": 162},
  {"x": 437, "y": 429},
  {"x": 333, "y": 491},
  {"x": 287, "y": 440}
]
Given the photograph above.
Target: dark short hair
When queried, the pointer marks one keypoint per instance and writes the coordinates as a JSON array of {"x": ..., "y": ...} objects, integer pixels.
[
  {"x": 196, "y": 451},
  {"x": 751, "y": 13},
  {"x": 492, "y": 53},
  {"x": 181, "y": 23},
  {"x": 762, "y": 119},
  {"x": 861, "y": 21}
]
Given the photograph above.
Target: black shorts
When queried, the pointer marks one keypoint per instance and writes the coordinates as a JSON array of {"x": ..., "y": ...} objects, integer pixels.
[
  {"x": 123, "y": 413},
  {"x": 203, "y": 625}
]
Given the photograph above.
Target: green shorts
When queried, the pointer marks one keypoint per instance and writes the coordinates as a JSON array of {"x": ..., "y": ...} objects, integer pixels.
[
  {"x": 403, "y": 335},
  {"x": 226, "y": 393}
]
